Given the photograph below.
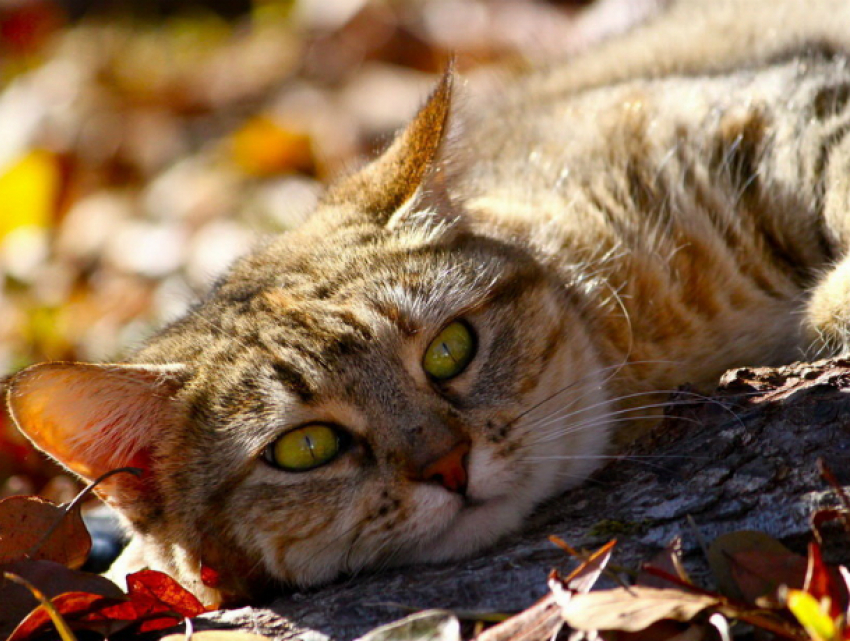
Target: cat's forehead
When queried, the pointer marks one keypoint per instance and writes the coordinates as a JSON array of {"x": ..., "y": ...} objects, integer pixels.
[{"x": 415, "y": 277}]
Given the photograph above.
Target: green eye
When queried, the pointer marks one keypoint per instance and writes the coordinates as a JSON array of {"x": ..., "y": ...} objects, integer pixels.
[
  {"x": 304, "y": 448},
  {"x": 450, "y": 352}
]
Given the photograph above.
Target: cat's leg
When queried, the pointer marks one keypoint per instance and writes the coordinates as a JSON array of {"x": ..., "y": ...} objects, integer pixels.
[
  {"x": 828, "y": 311},
  {"x": 825, "y": 170},
  {"x": 828, "y": 307}
]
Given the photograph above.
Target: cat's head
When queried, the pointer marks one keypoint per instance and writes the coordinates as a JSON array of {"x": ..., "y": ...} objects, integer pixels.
[{"x": 387, "y": 384}]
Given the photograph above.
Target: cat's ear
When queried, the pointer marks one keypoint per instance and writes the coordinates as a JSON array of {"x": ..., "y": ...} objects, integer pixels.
[
  {"x": 95, "y": 418},
  {"x": 391, "y": 181}
]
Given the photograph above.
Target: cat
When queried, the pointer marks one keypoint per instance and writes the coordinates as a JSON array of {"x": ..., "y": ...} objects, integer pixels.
[{"x": 471, "y": 323}]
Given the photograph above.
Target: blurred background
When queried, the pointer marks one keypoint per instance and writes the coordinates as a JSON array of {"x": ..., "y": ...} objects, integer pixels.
[{"x": 143, "y": 145}]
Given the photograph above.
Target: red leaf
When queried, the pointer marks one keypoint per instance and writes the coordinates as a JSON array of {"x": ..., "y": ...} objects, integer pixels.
[
  {"x": 827, "y": 515},
  {"x": 210, "y": 577},
  {"x": 76, "y": 608},
  {"x": 155, "y": 600},
  {"x": 161, "y": 587},
  {"x": 823, "y": 582}
]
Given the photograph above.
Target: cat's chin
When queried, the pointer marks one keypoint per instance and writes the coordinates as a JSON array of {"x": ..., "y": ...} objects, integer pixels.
[{"x": 475, "y": 524}]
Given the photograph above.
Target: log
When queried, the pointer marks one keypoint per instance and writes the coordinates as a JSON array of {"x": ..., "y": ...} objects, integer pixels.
[{"x": 744, "y": 459}]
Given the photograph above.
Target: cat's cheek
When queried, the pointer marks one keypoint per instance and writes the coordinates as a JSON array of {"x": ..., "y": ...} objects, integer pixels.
[{"x": 304, "y": 547}]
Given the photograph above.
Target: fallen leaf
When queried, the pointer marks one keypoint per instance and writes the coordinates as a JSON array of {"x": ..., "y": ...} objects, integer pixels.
[
  {"x": 540, "y": 621},
  {"x": 430, "y": 625},
  {"x": 661, "y": 631},
  {"x": 24, "y": 520},
  {"x": 52, "y": 579},
  {"x": 216, "y": 635},
  {"x": 823, "y": 582},
  {"x": 632, "y": 609},
  {"x": 155, "y": 601},
  {"x": 669, "y": 561},
  {"x": 47, "y": 606},
  {"x": 828, "y": 515},
  {"x": 585, "y": 576},
  {"x": 817, "y": 623},
  {"x": 748, "y": 565},
  {"x": 73, "y": 607}
]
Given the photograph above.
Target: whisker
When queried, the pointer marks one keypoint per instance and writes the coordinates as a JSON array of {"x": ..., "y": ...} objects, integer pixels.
[
  {"x": 549, "y": 420},
  {"x": 614, "y": 369},
  {"x": 612, "y": 457},
  {"x": 575, "y": 427},
  {"x": 646, "y": 464},
  {"x": 573, "y": 413}
]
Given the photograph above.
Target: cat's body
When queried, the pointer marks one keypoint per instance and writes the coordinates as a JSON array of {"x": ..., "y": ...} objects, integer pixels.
[{"x": 658, "y": 211}]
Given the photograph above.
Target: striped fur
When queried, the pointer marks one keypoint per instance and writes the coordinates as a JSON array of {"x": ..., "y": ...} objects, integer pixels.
[{"x": 661, "y": 209}]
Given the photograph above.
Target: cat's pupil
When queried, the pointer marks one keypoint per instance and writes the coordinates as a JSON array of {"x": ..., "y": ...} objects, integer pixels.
[
  {"x": 309, "y": 442},
  {"x": 448, "y": 353}
]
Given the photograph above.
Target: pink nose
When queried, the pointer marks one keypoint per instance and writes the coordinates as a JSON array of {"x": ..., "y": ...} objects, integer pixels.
[{"x": 449, "y": 470}]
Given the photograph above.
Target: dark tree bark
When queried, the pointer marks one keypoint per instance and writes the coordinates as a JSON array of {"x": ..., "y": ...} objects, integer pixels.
[{"x": 745, "y": 460}]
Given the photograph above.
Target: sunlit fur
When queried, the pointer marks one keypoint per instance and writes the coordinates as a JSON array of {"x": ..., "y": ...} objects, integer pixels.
[{"x": 650, "y": 214}]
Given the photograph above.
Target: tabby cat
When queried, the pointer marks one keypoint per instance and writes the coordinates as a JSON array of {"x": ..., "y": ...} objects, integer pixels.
[{"x": 468, "y": 325}]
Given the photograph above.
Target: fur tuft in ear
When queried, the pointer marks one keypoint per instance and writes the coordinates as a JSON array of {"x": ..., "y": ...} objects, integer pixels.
[
  {"x": 386, "y": 184},
  {"x": 95, "y": 418}
]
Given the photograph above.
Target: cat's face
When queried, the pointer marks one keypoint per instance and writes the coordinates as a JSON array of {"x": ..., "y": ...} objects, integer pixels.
[
  {"x": 366, "y": 391},
  {"x": 413, "y": 352}
]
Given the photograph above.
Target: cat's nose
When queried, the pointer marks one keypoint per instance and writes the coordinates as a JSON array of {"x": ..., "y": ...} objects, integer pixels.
[{"x": 449, "y": 470}]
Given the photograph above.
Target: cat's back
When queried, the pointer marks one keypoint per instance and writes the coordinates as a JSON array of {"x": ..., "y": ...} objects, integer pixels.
[
  {"x": 678, "y": 172},
  {"x": 699, "y": 38}
]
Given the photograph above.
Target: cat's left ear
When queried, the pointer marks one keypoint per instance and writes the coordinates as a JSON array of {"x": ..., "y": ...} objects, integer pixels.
[
  {"x": 95, "y": 418},
  {"x": 392, "y": 181}
]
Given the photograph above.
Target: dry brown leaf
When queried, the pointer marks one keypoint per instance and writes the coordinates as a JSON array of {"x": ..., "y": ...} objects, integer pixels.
[
  {"x": 540, "y": 621},
  {"x": 669, "y": 561},
  {"x": 216, "y": 635},
  {"x": 585, "y": 576},
  {"x": 23, "y": 523},
  {"x": 749, "y": 564},
  {"x": 632, "y": 609}
]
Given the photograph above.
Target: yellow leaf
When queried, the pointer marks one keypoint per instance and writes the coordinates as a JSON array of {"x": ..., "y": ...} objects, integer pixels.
[
  {"x": 817, "y": 623},
  {"x": 28, "y": 191},
  {"x": 262, "y": 148}
]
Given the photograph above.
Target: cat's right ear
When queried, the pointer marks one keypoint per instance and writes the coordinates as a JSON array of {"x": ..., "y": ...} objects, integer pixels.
[
  {"x": 95, "y": 418},
  {"x": 392, "y": 181}
]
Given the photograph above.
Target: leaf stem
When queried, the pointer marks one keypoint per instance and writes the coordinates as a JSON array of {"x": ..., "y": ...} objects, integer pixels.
[
  {"x": 61, "y": 625},
  {"x": 84, "y": 493}
]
